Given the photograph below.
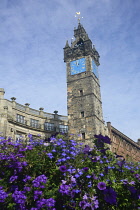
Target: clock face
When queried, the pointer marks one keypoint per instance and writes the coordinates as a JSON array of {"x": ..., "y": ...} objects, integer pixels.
[
  {"x": 95, "y": 69},
  {"x": 78, "y": 66}
]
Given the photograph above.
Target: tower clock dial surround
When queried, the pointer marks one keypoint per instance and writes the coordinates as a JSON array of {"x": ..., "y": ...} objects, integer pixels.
[
  {"x": 78, "y": 66},
  {"x": 95, "y": 68}
]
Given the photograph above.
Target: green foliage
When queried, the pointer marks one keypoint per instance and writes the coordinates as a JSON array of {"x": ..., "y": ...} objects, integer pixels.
[{"x": 66, "y": 175}]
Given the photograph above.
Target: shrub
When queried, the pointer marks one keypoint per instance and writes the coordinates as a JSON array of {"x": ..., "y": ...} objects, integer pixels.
[{"x": 63, "y": 174}]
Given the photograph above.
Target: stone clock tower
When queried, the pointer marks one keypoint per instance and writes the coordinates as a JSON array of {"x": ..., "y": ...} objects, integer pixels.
[{"x": 85, "y": 117}]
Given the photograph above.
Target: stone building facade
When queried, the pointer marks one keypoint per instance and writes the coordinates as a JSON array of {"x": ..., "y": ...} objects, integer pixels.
[
  {"x": 20, "y": 120},
  {"x": 84, "y": 105},
  {"x": 85, "y": 115},
  {"x": 123, "y": 145}
]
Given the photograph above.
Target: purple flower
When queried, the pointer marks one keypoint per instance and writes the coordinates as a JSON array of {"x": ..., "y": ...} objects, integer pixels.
[
  {"x": 85, "y": 197},
  {"x": 45, "y": 203},
  {"x": 26, "y": 178},
  {"x": 50, "y": 155},
  {"x": 64, "y": 189},
  {"x": 30, "y": 135},
  {"x": 30, "y": 147},
  {"x": 121, "y": 163},
  {"x": 88, "y": 176},
  {"x": 77, "y": 175},
  {"x": 101, "y": 186},
  {"x": 24, "y": 163},
  {"x": 110, "y": 196},
  {"x": 132, "y": 190},
  {"x": 28, "y": 189},
  {"x": 13, "y": 178},
  {"x": 125, "y": 181},
  {"x": 19, "y": 197},
  {"x": 39, "y": 180},
  {"x": 132, "y": 182},
  {"x": 3, "y": 196},
  {"x": 82, "y": 204},
  {"x": 22, "y": 149},
  {"x": 95, "y": 158},
  {"x": 137, "y": 176},
  {"x": 104, "y": 139},
  {"x": 63, "y": 168},
  {"x": 85, "y": 169},
  {"x": 73, "y": 180},
  {"x": 90, "y": 184},
  {"x": 37, "y": 193},
  {"x": 94, "y": 176},
  {"x": 86, "y": 149},
  {"x": 53, "y": 150}
]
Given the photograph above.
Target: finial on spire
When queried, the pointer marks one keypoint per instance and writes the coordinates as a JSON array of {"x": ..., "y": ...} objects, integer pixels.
[
  {"x": 78, "y": 16},
  {"x": 67, "y": 44}
]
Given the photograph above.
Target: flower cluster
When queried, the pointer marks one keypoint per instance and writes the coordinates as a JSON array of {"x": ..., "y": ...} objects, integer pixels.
[
  {"x": 62, "y": 174},
  {"x": 37, "y": 182},
  {"x": 46, "y": 203},
  {"x": 19, "y": 197},
  {"x": 3, "y": 195}
]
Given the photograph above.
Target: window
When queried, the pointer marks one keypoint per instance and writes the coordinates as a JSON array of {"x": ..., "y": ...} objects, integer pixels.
[
  {"x": 49, "y": 126},
  {"x": 83, "y": 135},
  {"x": 82, "y": 114},
  {"x": 63, "y": 128},
  {"x": 20, "y": 119},
  {"x": 34, "y": 123},
  {"x": 81, "y": 92}
]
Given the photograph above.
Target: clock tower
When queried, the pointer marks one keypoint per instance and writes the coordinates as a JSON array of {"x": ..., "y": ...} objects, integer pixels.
[{"x": 84, "y": 105}]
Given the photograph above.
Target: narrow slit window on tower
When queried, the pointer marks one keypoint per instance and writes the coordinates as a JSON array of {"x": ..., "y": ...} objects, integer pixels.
[
  {"x": 82, "y": 114},
  {"x": 83, "y": 135},
  {"x": 81, "y": 92}
]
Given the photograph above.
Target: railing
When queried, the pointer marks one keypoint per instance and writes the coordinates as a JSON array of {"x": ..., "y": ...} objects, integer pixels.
[
  {"x": 51, "y": 116},
  {"x": 33, "y": 111},
  {"x": 20, "y": 107},
  {"x": 63, "y": 118},
  {"x": 36, "y": 112}
]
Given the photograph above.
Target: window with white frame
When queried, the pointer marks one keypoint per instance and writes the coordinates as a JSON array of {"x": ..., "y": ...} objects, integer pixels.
[
  {"x": 49, "y": 126},
  {"x": 34, "y": 123},
  {"x": 20, "y": 119},
  {"x": 63, "y": 128}
]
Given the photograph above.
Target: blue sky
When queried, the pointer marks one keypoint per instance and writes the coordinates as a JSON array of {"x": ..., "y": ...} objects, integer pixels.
[{"x": 33, "y": 34}]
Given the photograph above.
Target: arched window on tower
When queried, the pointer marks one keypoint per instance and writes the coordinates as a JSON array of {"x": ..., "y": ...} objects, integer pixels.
[{"x": 79, "y": 43}]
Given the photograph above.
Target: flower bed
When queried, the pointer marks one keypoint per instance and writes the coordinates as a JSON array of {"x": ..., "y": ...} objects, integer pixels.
[{"x": 66, "y": 175}]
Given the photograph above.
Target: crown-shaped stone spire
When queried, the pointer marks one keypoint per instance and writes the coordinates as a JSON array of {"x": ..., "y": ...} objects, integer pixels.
[{"x": 80, "y": 32}]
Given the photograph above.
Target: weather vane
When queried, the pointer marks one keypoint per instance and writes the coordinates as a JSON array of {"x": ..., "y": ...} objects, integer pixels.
[{"x": 78, "y": 16}]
